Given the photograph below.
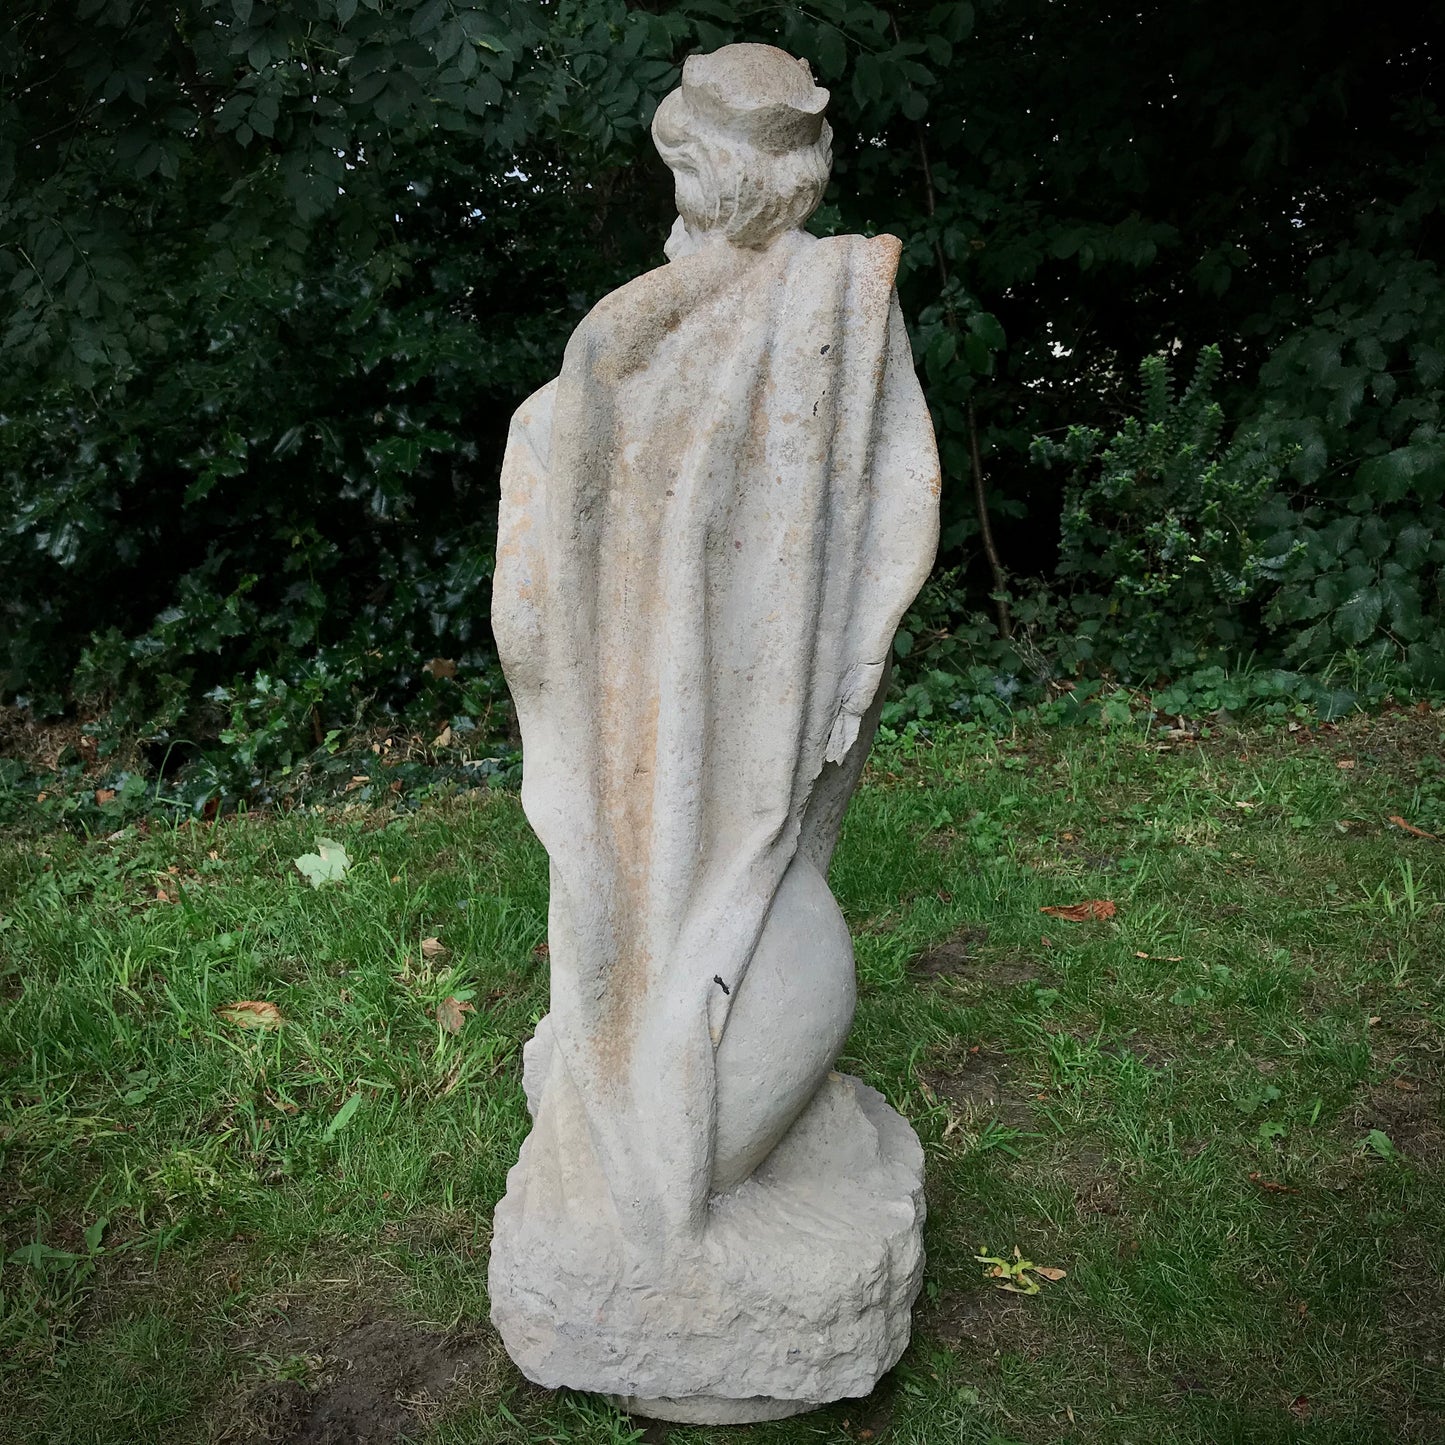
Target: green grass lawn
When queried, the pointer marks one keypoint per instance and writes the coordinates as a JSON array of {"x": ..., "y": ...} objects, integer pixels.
[{"x": 1219, "y": 1111}]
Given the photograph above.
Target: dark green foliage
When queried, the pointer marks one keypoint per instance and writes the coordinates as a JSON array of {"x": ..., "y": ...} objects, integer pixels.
[
  {"x": 275, "y": 276},
  {"x": 1157, "y": 524},
  {"x": 1359, "y": 390}
]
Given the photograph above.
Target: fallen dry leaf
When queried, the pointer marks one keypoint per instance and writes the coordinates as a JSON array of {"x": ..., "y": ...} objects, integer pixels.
[
  {"x": 450, "y": 1014},
  {"x": 1273, "y": 1186},
  {"x": 542, "y": 951},
  {"x": 251, "y": 1014},
  {"x": 432, "y": 948},
  {"x": 1081, "y": 912},
  {"x": 104, "y": 796},
  {"x": 443, "y": 738},
  {"x": 1047, "y": 1272},
  {"x": 1406, "y": 1087},
  {"x": 440, "y": 667},
  {"x": 1345, "y": 764},
  {"x": 1410, "y": 828}
]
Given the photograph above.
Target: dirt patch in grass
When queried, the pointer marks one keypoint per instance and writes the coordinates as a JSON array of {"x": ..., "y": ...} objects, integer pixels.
[
  {"x": 956, "y": 955},
  {"x": 958, "y": 958},
  {"x": 1096, "y": 1187},
  {"x": 1409, "y": 1113},
  {"x": 971, "y": 1319},
  {"x": 979, "y": 1086},
  {"x": 379, "y": 1381}
]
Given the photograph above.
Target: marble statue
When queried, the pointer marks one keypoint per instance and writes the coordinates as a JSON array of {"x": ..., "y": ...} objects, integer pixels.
[{"x": 711, "y": 524}]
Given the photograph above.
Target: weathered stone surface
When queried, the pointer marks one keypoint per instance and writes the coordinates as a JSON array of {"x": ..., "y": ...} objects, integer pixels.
[
  {"x": 711, "y": 524},
  {"x": 797, "y": 1291}
]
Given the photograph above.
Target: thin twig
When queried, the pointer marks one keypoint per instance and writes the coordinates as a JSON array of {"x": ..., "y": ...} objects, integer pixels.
[{"x": 990, "y": 547}]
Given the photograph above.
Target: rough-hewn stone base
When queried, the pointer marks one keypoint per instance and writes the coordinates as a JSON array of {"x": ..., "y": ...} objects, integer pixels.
[{"x": 798, "y": 1294}]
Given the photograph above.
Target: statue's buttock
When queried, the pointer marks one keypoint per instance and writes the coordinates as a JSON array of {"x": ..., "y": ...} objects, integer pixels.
[{"x": 712, "y": 522}]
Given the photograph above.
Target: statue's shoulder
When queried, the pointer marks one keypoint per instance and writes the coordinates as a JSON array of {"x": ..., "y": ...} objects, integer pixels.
[{"x": 870, "y": 261}]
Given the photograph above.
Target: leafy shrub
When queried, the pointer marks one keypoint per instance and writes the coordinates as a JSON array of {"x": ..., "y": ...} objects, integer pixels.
[
  {"x": 1158, "y": 525},
  {"x": 1358, "y": 391}
]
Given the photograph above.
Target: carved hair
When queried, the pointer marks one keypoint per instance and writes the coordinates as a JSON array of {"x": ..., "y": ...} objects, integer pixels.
[{"x": 745, "y": 139}]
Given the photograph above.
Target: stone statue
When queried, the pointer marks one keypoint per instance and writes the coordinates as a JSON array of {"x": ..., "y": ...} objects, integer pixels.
[{"x": 711, "y": 524}]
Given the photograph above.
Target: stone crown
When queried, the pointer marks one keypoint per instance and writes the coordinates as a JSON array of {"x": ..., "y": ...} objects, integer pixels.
[{"x": 755, "y": 92}]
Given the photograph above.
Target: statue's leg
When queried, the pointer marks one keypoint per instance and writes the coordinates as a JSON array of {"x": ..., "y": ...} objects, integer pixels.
[{"x": 792, "y": 1013}]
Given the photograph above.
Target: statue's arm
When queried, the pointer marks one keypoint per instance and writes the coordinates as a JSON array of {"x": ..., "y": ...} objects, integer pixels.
[{"x": 905, "y": 480}]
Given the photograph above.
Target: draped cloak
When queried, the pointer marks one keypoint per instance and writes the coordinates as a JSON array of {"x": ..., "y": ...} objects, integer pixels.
[{"x": 711, "y": 524}]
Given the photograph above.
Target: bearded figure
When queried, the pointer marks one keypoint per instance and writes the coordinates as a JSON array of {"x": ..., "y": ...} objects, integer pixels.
[{"x": 712, "y": 522}]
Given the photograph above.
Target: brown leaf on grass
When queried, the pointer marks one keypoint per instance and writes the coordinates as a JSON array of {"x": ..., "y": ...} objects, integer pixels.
[
  {"x": 1406, "y": 1087},
  {"x": 251, "y": 1014},
  {"x": 432, "y": 948},
  {"x": 1082, "y": 912},
  {"x": 1272, "y": 1186},
  {"x": 104, "y": 796},
  {"x": 440, "y": 667},
  {"x": 1047, "y": 1272},
  {"x": 451, "y": 1014},
  {"x": 444, "y": 738},
  {"x": 541, "y": 951},
  {"x": 1410, "y": 828},
  {"x": 1345, "y": 764}
]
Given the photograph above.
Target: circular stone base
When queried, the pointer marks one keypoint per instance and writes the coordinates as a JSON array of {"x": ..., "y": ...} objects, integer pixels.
[
  {"x": 798, "y": 1292},
  {"x": 713, "y": 1409}
]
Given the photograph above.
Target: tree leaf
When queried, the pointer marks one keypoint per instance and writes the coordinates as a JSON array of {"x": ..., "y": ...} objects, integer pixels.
[
  {"x": 251, "y": 1014},
  {"x": 1358, "y": 615},
  {"x": 451, "y": 1014},
  {"x": 329, "y": 864},
  {"x": 1082, "y": 912}
]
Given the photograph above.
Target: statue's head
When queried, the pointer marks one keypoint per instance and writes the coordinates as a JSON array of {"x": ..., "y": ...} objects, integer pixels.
[{"x": 745, "y": 139}]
